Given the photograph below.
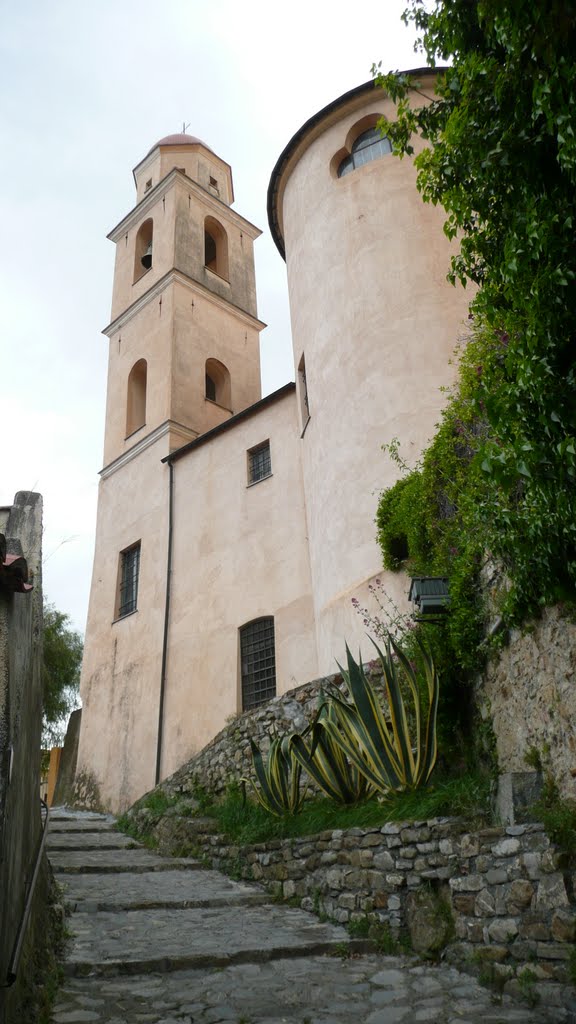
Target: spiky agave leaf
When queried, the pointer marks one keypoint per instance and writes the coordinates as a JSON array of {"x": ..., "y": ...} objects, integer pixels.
[
  {"x": 325, "y": 761},
  {"x": 384, "y": 751},
  {"x": 278, "y": 777}
]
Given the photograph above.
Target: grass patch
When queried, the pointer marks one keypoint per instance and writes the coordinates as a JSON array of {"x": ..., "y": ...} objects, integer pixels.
[{"x": 466, "y": 796}]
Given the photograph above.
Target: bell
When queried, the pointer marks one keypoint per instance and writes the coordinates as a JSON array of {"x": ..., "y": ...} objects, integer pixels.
[{"x": 146, "y": 259}]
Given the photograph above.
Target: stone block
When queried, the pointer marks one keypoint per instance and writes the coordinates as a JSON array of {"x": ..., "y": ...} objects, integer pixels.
[
  {"x": 496, "y": 876},
  {"x": 551, "y": 893},
  {"x": 563, "y": 926},
  {"x": 485, "y": 905},
  {"x": 520, "y": 895},
  {"x": 517, "y": 792},
  {"x": 428, "y": 921},
  {"x": 553, "y": 951},
  {"x": 503, "y": 929},
  {"x": 383, "y": 860},
  {"x": 464, "y": 903},
  {"x": 506, "y": 847},
  {"x": 467, "y": 883},
  {"x": 534, "y": 930}
]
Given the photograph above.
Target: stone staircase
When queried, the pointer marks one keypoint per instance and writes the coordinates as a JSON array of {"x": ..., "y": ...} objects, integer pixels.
[{"x": 160, "y": 940}]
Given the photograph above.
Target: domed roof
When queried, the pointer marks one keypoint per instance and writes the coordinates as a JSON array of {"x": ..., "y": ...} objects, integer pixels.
[{"x": 178, "y": 140}]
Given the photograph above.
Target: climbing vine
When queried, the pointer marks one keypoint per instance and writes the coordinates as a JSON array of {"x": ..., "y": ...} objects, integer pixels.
[{"x": 499, "y": 479}]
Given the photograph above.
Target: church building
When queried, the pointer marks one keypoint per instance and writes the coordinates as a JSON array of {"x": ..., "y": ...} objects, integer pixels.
[{"x": 233, "y": 530}]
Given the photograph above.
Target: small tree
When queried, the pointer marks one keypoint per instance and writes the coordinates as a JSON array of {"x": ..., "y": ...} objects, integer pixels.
[{"x": 62, "y": 659}]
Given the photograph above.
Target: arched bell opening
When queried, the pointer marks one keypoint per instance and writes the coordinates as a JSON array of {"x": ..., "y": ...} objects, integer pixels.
[
  {"x": 143, "y": 249},
  {"x": 217, "y": 383},
  {"x": 215, "y": 248},
  {"x": 136, "y": 397}
]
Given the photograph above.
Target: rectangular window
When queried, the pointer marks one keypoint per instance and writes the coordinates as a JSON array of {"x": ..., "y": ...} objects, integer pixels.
[
  {"x": 259, "y": 464},
  {"x": 129, "y": 573},
  {"x": 258, "y": 662}
]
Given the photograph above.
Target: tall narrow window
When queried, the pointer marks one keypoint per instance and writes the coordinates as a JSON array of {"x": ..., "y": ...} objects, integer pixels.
[
  {"x": 143, "y": 249},
  {"x": 259, "y": 463},
  {"x": 217, "y": 383},
  {"x": 215, "y": 248},
  {"x": 128, "y": 582},
  {"x": 257, "y": 662},
  {"x": 136, "y": 397},
  {"x": 303, "y": 393}
]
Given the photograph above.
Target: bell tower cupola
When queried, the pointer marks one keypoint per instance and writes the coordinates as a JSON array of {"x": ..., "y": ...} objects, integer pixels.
[{"x": 183, "y": 303}]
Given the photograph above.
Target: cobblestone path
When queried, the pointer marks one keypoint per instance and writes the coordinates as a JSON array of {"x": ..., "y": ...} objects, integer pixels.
[{"x": 160, "y": 940}]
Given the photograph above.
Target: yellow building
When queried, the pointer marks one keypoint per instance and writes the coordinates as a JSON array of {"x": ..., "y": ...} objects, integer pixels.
[{"x": 234, "y": 530}]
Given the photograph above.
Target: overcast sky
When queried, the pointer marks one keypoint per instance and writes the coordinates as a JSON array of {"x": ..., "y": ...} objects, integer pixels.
[{"x": 86, "y": 89}]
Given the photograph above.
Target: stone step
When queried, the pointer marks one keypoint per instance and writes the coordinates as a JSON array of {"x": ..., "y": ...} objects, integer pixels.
[
  {"x": 138, "y": 941},
  {"x": 320, "y": 990},
  {"x": 103, "y": 840},
  {"x": 61, "y": 825},
  {"x": 100, "y": 861},
  {"x": 154, "y": 890}
]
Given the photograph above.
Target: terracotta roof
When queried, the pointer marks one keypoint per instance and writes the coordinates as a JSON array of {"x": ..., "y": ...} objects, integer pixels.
[
  {"x": 178, "y": 140},
  {"x": 13, "y": 571}
]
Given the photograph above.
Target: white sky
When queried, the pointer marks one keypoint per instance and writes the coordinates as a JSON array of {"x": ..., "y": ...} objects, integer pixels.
[{"x": 87, "y": 87}]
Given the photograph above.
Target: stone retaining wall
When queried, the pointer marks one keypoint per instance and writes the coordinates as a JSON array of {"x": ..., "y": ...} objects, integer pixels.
[
  {"x": 529, "y": 693},
  {"x": 499, "y": 902},
  {"x": 228, "y": 756}
]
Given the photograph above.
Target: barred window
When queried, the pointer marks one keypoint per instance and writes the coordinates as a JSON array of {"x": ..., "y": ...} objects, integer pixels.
[
  {"x": 129, "y": 573},
  {"x": 259, "y": 464},
  {"x": 258, "y": 662}
]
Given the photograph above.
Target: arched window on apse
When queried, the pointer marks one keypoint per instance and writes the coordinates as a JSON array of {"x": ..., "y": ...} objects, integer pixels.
[
  {"x": 215, "y": 248},
  {"x": 143, "y": 249},
  {"x": 218, "y": 387},
  {"x": 136, "y": 398}
]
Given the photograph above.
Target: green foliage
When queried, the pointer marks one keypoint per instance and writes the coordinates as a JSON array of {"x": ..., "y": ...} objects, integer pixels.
[
  {"x": 502, "y": 163},
  {"x": 326, "y": 763},
  {"x": 278, "y": 789},
  {"x": 62, "y": 659},
  {"x": 245, "y": 823},
  {"x": 391, "y": 757},
  {"x": 559, "y": 819},
  {"x": 379, "y": 933}
]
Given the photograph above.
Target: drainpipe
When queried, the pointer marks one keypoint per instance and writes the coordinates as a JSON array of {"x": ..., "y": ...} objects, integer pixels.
[{"x": 166, "y": 623}]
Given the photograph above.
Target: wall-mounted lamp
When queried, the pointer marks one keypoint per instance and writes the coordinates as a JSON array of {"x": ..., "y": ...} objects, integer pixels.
[{"x": 430, "y": 597}]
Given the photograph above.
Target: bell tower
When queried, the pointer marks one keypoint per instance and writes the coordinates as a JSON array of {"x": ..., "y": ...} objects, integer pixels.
[
  {"x": 184, "y": 358},
  {"x": 184, "y": 348}
]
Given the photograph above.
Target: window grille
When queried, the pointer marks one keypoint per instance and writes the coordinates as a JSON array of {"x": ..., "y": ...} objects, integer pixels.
[
  {"x": 259, "y": 464},
  {"x": 129, "y": 573},
  {"x": 258, "y": 662}
]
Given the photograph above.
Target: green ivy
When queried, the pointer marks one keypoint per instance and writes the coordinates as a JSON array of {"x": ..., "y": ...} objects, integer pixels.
[{"x": 499, "y": 479}]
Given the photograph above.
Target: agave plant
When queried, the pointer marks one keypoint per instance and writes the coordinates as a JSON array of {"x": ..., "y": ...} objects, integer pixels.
[
  {"x": 278, "y": 777},
  {"x": 325, "y": 761},
  {"x": 391, "y": 757}
]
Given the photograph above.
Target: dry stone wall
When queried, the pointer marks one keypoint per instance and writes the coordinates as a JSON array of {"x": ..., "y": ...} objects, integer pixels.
[
  {"x": 498, "y": 901},
  {"x": 528, "y": 692},
  {"x": 227, "y": 758}
]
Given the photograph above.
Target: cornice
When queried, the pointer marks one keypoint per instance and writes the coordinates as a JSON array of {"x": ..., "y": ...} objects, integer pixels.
[
  {"x": 147, "y": 442},
  {"x": 194, "y": 286},
  {"x": 218, "y": 206}
]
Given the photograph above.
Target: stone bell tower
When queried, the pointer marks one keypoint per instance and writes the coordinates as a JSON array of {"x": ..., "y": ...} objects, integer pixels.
[
  {"x": 184, "y": 351},
  {"x": 183, "y": 358}
]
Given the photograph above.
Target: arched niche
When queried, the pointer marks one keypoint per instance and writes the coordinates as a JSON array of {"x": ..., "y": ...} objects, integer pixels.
[
  {"x": 217, "y": 383},
  {"x": 136, "y": 397},
  {"x": 215, "y": 248}
]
